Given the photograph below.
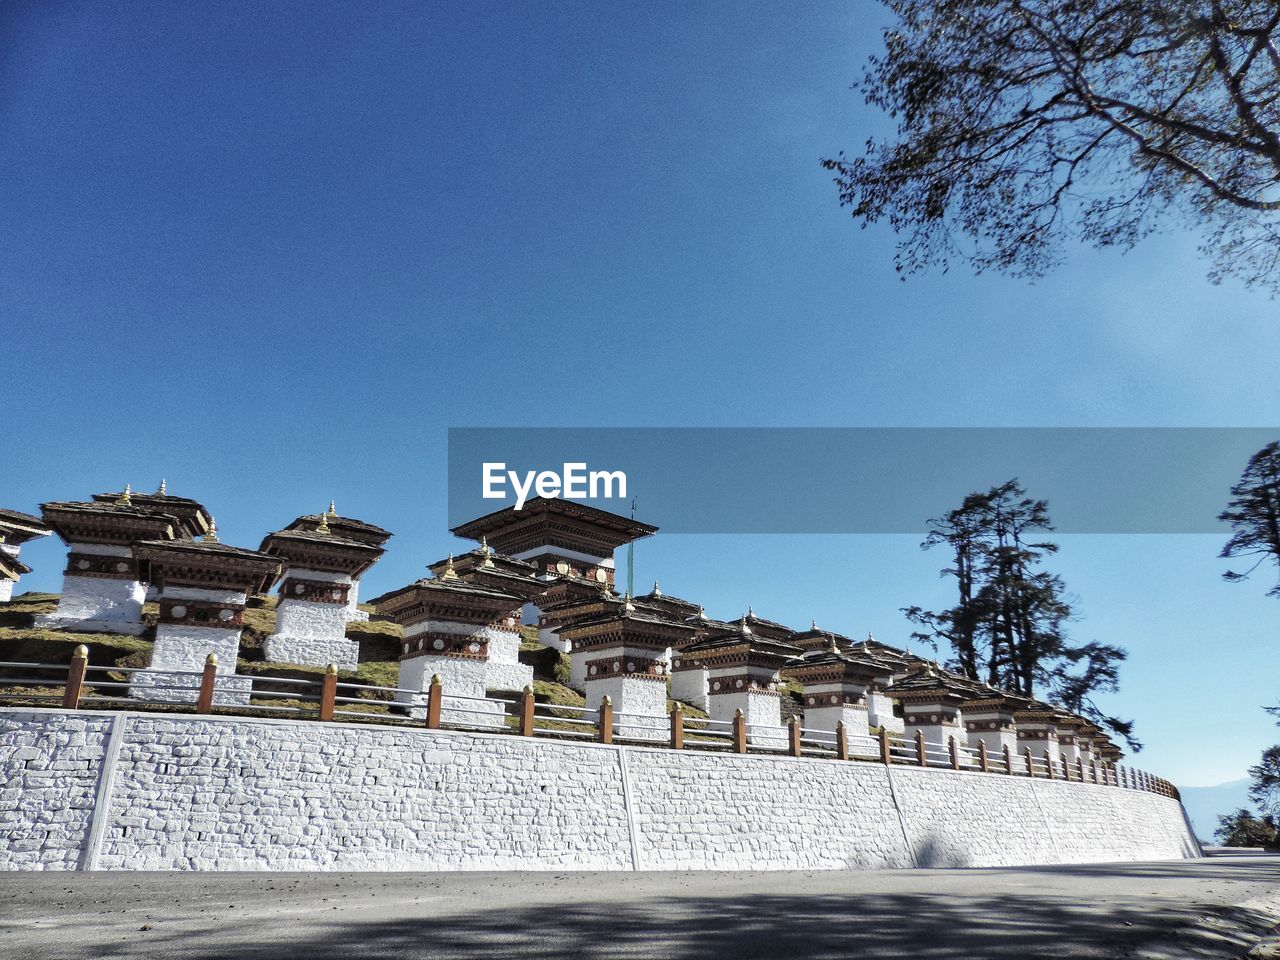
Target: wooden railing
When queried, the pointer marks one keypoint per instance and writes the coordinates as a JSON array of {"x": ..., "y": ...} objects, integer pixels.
[{"x": 327, "y": 699}]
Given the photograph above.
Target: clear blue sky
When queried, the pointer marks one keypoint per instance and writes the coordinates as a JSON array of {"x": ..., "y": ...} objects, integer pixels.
[{"x": 272, "y": 251}]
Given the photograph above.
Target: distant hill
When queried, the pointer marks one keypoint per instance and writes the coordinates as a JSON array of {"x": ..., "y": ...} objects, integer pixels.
[{"x": 1205, "y": 804}]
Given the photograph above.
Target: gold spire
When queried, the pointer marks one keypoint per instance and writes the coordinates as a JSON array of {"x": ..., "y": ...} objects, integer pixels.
[
  {"x": 449, "y": 572},
  {"x": 750, "y": 613},
  {"x": 627, "y": 605},
  {"x": 834, "y": 649},
  {"x": 1, "y": 536},
  {"x": 813, "y": 624},
  {"x": 163, "y": 490},
  {"x": 126, "y": 499},
  {"x": 485, "y": 552},
  {"x": 323, "y": 526},
  {"x": 212, "y": 535},
  {"x": 657, "y": 590},
  {"x": 743, "y": 628},
  {"x": 332, "y": 511}
]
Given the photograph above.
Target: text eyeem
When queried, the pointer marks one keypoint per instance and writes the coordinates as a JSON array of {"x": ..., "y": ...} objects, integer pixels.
[{"x": 574, "y": 482}]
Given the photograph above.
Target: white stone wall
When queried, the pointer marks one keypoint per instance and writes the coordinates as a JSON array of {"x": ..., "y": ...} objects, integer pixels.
[
  {"x": 462, "y": 684},
  {"x": 49, "y": 773},
  {"x": 223, "y": 792},
  {"x": 763, "y": 713},
  {"x": 6, "y": 590}
]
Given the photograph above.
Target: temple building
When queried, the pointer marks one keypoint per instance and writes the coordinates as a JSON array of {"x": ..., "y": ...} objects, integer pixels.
[
  {"x": 203, "y": 587},
  {"x": 16, "y": 529},
  {"x": 990, "y": 719},
  {"x": 102, "y": 591},
  {"x": 835, "y": 681},
  {"x": 623, "y": 655},
  {"x": 690, "y": 678},
  {"x": 453, "y": 628},
  {"x": 347, "y": 528},
  {"x": 321, "y": 568},
  {"x": 1038, "y": 731},
  {"x": 563, "y": 540},
  {"x": 743, "y": 674},
  {"x": 931, "y": 701}
]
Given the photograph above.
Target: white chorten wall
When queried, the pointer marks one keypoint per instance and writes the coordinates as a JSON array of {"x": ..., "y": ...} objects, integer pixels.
[
  {"x": 763, "y": 713},
  {"x": 354, "y": 613},
  {"x": 185, "y": 647},
  {"x": 462, "y": 686},
  {"x": 461, "y": 676},
  {"x": 691, "y": 686},
  {"x": 506, "y": 672},
  {"x": 990, "y": 730},
  {"x": 6, "y": 585},
  {"x": 312, "y": 632},
  {"x": 825, "y": 717},
  {"x": 98, "y": 604},
  {"x": 1033, "y": 738},
  {"x": 880, "y": 713},
  {"x": 639, "y": 705}
]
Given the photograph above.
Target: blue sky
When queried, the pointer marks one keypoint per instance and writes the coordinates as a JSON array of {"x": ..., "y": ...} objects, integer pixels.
[{"x": 272, "y": 252}]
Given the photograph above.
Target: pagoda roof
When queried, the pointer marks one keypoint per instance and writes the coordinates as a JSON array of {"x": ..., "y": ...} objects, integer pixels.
[
  {"x": 735, "y": 636},
  {"x": 838, "y": 663},
  {"x": 11, "y": 568},
  {"x": 449, "y": 585},
  {"x": 530, "y": 525},
  {"x": 931, "y": 680},
  {"x": 18, "y": 527},
  {"x": 816, "y": 638},
  {"x": 347, "y": 527},
  {"x": 254, "y": 570},
  {"x": 191, "y": 514},
  {"x": 643, "y": 618},
  {"x": 116, "y": 522},
  {"x": 322, "y": 551}
]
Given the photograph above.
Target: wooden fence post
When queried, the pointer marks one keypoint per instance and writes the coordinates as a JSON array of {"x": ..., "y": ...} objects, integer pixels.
[
  {"x": 1031, "y": 765},
  {"x": 886, "y": 754},
  {"x": 526, "y": 712},
  {"x": 1080, "y": 769},
  {"x": 435, "y": 700},
  {"x": 954, "y": 749},
  {"x": 842, "y": 741},
  {"x": 75, "y": 678},
  {"x": 1048, "y": 764},
  {"x": 920, "y": 754},
  {"x": 982, "y": 757},
  {"x": 1008, "y": 759},
  {"x": 677, "y": 727},
  {"x": 204, "y": 701},
  {"x": 606, "y": 720},
  {"x": 739, "y": 732},
  {"x": 328, "y": 692},
  {"x": 793, "y": 735}
]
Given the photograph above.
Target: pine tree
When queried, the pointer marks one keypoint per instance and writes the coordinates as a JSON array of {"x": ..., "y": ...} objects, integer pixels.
[{"x": 1254, "y": 514}]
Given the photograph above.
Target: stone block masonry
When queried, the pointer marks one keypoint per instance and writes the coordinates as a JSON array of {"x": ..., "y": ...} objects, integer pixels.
[{"x": 181, "y": 792}]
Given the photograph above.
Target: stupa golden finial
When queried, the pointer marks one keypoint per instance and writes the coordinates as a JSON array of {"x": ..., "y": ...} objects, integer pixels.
[
  {"x": 751, "y": 614},
  {"x": 834, "y": 648},
  {"x": 163, "y": 489},
  {"x": 657, "y": 590},
  {"x": 126, "y": 498},
  {"x": 813, "y": 624},
  {"x": 212, "y": 535},
  {"x": 332, "y": 511},
  {"x": 449, "y": 572},
  {"x": 486, "y": 552},
  {"x": 1, "y": 536},
  {"x": 627, "y": 605},
  {"x": 323, "y": 526},
  {"x": 743, "y": 628}
]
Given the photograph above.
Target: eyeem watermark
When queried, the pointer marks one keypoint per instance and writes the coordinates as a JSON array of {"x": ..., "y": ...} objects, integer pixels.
[{"x": 574, "y": 482}]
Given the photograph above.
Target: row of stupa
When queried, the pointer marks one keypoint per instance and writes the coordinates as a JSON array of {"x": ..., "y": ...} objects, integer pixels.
[{"x": 550, "y": 563}]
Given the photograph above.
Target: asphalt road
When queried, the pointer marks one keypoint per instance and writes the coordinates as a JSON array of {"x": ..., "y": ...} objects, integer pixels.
[{"x": 1110, "y": 910}]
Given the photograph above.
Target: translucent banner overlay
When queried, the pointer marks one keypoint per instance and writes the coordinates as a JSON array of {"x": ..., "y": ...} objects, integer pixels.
[{"x": 864, "y": 480}]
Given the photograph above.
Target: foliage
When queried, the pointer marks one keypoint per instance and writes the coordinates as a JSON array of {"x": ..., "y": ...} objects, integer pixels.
[
  {"x": 1023, "y": 122},
  {"x": 1243, "y": 829},
  {"x": 1009, "y": 625},
  {"x": 1265, "y": 789},
  {"x": 1254, "y": 514}
]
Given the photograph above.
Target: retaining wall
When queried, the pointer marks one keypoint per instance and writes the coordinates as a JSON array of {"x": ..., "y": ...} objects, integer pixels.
[{"x": 95, "y": 790}]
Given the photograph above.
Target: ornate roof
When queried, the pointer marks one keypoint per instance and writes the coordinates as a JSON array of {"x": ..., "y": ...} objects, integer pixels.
[
  {"x": 17, "y": 527},
  {"x": 113, "y": 523},
  {"x": 206, "y": 564},
  {"x": 193, "y": 518},
  {"x": 346, "y": 527},
  {"x": 553, "y": 522},
  {"x": 315, "y": 550}
]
